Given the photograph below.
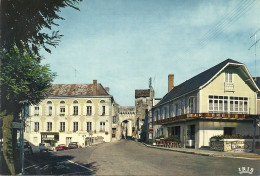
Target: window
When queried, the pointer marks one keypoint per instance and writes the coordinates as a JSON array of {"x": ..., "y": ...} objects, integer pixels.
[
  {"x": 62, "y": 110},
  {"x": 176, "y": 109},
  {"x": 102, "y": 101},
  {"x": 75, "y": 110},
  {"x": 229, "y": 130},
  {"x": 89, "y": 126},
  {"x": 210, "y": 105},
  {"x": 156, "y": 115},
  {"x": 75, "y": 102},
  {"x": 103, "y": 110},
  {"x": 75, "y": 126},
  {"x": 89, "y": 101},
  {"x": 50, "y": 110},
  {"x": 62, "y": 126},
  {"x": 229, "y": 76},
  {"x": 225, "y": 104},
  {"x": 165, "y": 113},
  {"x": 49, "y": 126},
  {"x": 89, "y": 110},
  {"x": 36, "y": 126},
  {"x": 36, "y": 110},
  {"x": 102, "y": 126},
  {"x": 192, "y": 104},
  {"x": 114, "y": 120},
  {"x": 49, "y": 102},
  {"x": 62, "y": 102}
]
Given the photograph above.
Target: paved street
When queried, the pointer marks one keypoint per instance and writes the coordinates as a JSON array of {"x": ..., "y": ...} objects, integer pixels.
[{"x": 132, "y": 158}]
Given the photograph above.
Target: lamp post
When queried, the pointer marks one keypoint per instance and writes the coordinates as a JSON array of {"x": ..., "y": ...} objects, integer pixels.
[{"x": 24, "y": 102}]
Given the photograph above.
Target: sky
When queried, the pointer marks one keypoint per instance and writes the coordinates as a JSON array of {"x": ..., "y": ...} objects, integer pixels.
[{"x": 122, "y": 43}]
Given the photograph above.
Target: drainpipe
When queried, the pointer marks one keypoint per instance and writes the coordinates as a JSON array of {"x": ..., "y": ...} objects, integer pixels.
[{"x": 254, "y": 124}]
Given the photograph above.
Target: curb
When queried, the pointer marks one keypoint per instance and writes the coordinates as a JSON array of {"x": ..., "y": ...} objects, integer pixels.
[{"x": 202, "y": 154}]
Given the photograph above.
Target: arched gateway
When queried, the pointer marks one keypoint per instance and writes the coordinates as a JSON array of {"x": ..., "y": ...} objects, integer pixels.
[{"x": 126, "y": 124}]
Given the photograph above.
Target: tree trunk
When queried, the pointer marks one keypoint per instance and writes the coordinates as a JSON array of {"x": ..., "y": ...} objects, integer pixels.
[{"x": 8, "y": 142}]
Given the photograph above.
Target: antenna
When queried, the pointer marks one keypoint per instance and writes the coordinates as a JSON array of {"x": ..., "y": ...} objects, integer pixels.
[
  {"x": 150, "y": 82},
  {"x": 256, "y": 41},
  {"x": 75, "y": 72}
]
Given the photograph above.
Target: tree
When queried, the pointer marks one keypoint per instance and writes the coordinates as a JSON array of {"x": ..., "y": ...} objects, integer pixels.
[
  {"x": 24, "y": 20},
  {"x": 22, "y": 76}
]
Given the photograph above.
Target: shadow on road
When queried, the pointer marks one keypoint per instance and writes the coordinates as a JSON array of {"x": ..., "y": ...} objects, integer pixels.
[{"x": 47, "y": 163}]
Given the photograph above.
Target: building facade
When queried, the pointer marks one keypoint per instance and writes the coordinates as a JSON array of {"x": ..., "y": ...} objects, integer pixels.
[
  {"x": 80, "y": 113},
  {"x": 144, "y": 101},
  {"x": 220, "y": 100}
]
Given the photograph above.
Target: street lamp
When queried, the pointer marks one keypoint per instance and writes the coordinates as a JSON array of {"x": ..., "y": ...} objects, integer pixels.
[{"x": 24, "y": 102}]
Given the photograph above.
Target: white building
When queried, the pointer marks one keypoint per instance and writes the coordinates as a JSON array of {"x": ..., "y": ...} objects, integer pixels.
[
  {"x": 72, "y": 113},
  {"x": 220, "y": 100}
]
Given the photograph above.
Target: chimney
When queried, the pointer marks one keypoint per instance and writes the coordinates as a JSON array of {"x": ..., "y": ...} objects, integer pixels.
[
  {"x": 94, "y": 87},
  {"x": 170, "y": 82}
]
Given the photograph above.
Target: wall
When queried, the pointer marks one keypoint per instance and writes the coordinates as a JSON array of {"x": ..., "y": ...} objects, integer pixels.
[
  {"x": 69, "y": 118},
  {"x": 216, "y": 87},
  {"x": 210, "y": 128},
  {"x": 232, "y": 145},
  {"x": 258, "y": 106}
]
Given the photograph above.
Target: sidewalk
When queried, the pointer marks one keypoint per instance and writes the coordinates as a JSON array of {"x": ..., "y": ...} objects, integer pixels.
[{"x": 249, "y": 156}]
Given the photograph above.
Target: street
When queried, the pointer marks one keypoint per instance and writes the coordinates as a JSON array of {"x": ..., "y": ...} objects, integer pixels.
[{"x": 127, "y": 157}]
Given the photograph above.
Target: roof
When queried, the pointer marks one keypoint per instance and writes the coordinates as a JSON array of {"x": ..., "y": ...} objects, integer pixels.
[
  {"x": 126, "y": 108},
  {"x": 195, "y": 82},
  {"x": 142, "y": 93},
  {"x": 257, "y": 81},
  {"x": 76, "y": 90}
]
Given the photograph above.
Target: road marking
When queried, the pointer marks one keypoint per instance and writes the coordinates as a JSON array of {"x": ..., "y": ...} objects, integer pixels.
[
  {"x": 80, "y": 165},
  {"x": 73, "y": 173}
]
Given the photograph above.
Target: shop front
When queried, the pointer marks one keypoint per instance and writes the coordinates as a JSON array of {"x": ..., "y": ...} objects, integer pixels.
[{"x": 50, "y": 137}]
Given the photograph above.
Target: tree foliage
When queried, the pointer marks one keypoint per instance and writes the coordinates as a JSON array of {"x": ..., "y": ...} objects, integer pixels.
[
  {"x": 23, "y": 77},
  {"x": 24, "y": 20}
]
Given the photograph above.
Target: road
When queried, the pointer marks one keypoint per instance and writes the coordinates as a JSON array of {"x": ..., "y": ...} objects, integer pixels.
[{"x": 131, "y": 158}]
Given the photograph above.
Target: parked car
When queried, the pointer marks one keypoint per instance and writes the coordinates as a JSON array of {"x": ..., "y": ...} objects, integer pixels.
[
  {"x": 46, "y": 147},
  {"x": 73, "y": 145},
  {"x": 27, "y": 148},
  {"x": 61, "y": 147}
]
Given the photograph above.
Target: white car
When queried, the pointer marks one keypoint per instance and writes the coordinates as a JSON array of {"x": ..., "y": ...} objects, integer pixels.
[{"x": 46, "y": 147}]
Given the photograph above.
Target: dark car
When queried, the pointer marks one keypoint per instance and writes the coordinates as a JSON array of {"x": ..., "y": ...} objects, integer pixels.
[
  {"x": 73, "y": 145},
  {"x": 61, "y": 147},
  {"x": 27, "y": 148}
]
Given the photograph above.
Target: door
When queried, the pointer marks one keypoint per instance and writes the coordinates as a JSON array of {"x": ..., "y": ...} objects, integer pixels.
[{"x": 68, "y": 140}]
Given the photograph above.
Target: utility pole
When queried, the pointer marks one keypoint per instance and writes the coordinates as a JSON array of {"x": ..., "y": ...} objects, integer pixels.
[
  {"x": 255, "y": 117},
  {"x": 254, "y": 44}
]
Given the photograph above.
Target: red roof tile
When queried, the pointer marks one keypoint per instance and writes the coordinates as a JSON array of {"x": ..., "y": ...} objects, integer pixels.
[{"x": 76, "y": 90}]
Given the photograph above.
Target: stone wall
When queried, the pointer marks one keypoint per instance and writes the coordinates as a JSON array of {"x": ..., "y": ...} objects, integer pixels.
[{"x": 232, "y": 145}]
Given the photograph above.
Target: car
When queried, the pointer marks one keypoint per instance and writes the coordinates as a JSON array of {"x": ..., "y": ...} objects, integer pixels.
[
  {"x": 27, "y": 147},
  {"x": 73, "y": 145},
  {"x": 46, "y": 147},
  {"x": 61, "y": 147}
]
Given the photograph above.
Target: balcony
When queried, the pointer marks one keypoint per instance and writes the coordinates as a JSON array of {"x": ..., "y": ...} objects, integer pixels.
[
  {"x": 229, "y": 87},
  {"x": 209, "y": 116}
]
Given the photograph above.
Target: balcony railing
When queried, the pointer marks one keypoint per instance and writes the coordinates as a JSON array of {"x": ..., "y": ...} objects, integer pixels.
[
  {"x": 229, "y": 87},
  {"x": 212, "y": 116}
]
